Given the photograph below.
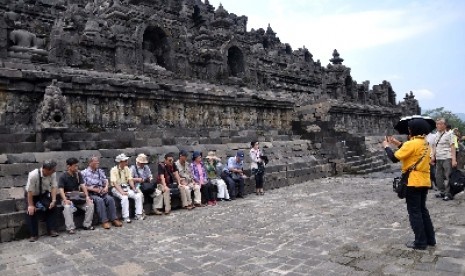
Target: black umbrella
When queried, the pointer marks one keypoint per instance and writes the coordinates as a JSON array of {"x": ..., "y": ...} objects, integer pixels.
[{"x": 425, "y": 123}]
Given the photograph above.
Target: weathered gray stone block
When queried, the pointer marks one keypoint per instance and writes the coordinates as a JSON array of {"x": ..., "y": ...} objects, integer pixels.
[
  {"x": 17, "y": 169},
  {"x": 16, "y": 219},
  {"x": 21, "y": 158}
]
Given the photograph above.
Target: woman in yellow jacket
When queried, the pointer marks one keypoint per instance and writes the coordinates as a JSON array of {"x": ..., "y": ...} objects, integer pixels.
[{"x": 418, "y": 181}]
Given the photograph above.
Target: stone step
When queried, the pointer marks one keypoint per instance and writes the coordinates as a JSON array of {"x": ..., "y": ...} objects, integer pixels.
[
  {"x": 354, "y": 167},
  {"x": 375, "y": 169},
  {"x": 7, "y": 206},
  {"x": 361, "y": 161},
  {"x": 355, "y": 157}
]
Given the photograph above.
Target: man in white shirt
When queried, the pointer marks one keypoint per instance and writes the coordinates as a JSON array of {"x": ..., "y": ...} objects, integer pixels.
[
  {"x": 42, "y": 183},
  {"x": 444, "y": 157}
]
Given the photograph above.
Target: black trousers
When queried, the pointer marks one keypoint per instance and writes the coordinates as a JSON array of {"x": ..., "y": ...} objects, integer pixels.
[
  {"x": 233, "y": 184},
  {"x": 420, "y": 220},
  {"x": 259, "y": 180},
  {"x": 208, "y": 192},
  {"x": 50, "y": 216}
]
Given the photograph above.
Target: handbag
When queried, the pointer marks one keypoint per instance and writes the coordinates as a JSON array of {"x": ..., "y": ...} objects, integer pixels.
[
  {"x": 265, "y": 159},
  {"x": 174, "y": 189},
  {"x": 146, "y": 187},
  {"x": 456, "y": 181},
  {"x": 76, "y": 197},
  {"x": 399, "y": 185}
]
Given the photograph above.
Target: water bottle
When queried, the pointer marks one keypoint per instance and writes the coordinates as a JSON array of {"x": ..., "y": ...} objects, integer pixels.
[{"x": 73, "y": 208}]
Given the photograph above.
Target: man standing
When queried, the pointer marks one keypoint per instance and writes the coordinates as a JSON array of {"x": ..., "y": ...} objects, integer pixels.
[
  {"x": 431, "y": 139},
  {"x": 70, "y": 181},
  {"x": 97, "y": 185},
  {"x": 185, "y": 172},
  {"x": 122, "y": 186},
  {"x": 40, "y": 195},
  {"x": 444, "y": 157},
  {"x": 233, "y": 175}
]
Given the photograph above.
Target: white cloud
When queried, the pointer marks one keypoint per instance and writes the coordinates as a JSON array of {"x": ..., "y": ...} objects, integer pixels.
[
  {"x": 325, "y": 25},
  {"x": 345, "y": 32},
  {"x": 423, "y": 94}
]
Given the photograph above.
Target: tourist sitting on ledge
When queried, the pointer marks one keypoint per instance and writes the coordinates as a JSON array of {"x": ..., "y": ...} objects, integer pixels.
[
  {"x": 122, "y": 187},
  {"x": 97, "y": 185},
  {"x": 233, "y": 175},
  {"x": 167, "y": 174},
  {"x": 40, "y": 195},
  {"x": 214, "y": 168},
  {"x": 70, "y": 182},
  {"x": 185, "y": 171},
  {"x": 200, "y": 178},
  {"x": 142, "y": 175}
]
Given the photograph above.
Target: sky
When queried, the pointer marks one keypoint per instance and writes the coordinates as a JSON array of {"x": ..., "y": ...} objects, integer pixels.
[{"x": 417, "y": 46}]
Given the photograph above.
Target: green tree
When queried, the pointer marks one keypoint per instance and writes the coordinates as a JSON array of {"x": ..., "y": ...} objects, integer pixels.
[{"x": 451, "y": 118}]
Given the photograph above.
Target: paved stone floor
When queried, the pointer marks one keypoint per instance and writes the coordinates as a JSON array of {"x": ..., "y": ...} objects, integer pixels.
[{"x": 335, "y": 226}]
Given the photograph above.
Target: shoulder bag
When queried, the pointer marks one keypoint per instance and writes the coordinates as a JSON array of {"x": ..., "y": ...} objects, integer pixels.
[
  {"x": 44, "y": 198},
  {"x": 399, "y": 185}
]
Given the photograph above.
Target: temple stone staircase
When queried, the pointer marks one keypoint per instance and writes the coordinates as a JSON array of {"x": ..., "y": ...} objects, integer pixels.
[
  {"x": 373, "y": 159},
  {"x": 366, "y": 163}
]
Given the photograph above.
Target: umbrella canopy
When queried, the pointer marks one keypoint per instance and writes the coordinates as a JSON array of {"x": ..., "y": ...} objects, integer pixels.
[{"x": 421, "y": 125}]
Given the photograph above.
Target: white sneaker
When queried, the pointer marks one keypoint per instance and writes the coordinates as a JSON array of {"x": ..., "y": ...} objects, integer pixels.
[
  {"x": 140, "y": 217},
  {"x": 127, "y": 220}
]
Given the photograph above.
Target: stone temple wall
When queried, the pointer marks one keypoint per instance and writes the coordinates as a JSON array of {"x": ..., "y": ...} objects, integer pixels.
[{"x": 85, "y": 77}]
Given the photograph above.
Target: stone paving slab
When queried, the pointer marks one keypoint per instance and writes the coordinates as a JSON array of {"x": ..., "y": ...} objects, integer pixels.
[{"x": 349, "y": 225}]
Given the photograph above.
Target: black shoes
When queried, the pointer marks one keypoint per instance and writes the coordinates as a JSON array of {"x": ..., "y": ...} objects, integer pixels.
[
  {"x": 411, "y": 244},
  {"x": 439, "y": 195}
]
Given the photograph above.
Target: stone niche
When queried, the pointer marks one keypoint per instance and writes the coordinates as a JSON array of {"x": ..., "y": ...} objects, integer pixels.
[
  {"x": 236, "y": 62},
  {"x": 156, "y": 50}
]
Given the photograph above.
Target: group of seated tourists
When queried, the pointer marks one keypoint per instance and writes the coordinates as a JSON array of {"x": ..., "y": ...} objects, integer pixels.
[{"x": 201, "y": 182}]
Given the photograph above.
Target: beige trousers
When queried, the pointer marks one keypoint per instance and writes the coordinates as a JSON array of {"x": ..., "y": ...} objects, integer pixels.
[
  {"x": 160, "y": 197},
  {"x": 69, "y": 218}
]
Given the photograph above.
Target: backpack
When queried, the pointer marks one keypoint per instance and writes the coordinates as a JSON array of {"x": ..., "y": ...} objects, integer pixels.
[{"x": 456, "y": 181}]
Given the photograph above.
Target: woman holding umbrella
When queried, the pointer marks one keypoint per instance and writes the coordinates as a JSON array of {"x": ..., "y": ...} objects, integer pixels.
[{"x": 415, "y": 157}]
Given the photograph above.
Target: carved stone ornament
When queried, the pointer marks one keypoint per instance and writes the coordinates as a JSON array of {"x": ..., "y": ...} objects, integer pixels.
[{"x": 51, "y": 113}]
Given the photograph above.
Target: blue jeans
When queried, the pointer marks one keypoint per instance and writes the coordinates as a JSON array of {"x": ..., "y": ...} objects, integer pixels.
[
  {"x": 101, "y": 203},
  {"x": 233, "y": 184},
  {"x": 420, "y": 220}
]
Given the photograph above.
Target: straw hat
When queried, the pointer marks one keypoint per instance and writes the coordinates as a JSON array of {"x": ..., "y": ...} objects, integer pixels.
[
  {"x": 121, "y": 157},
  {"x": 142, "y": 158}
]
